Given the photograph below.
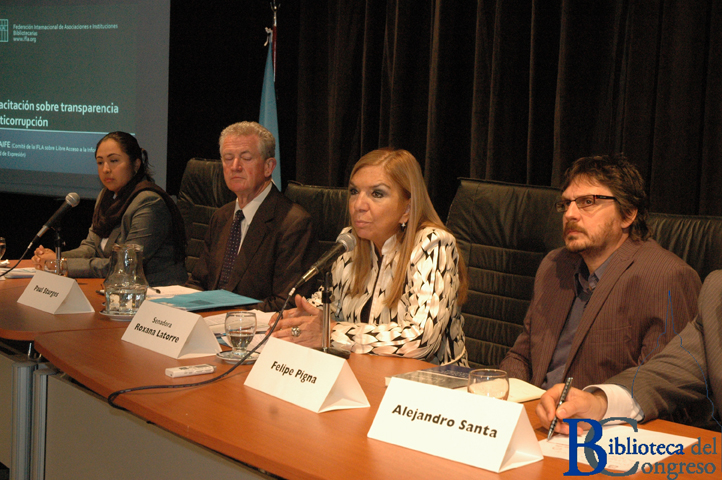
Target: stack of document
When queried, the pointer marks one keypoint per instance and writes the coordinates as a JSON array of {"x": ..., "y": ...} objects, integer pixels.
[
  {"x": 18, "y": 272},
  {"x": 169, "y": 291},
  {"x": 456, "y": 378},
  {"x": 191, "y": 300}
]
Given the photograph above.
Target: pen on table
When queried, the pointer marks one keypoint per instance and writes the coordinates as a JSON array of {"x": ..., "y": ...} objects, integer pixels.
[{"x": 562, "y": 399}]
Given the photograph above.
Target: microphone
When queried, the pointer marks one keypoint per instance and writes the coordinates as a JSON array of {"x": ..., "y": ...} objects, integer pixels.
[
  {"x": 71, "y": 200},
  {"x": 345, "y": 242}
]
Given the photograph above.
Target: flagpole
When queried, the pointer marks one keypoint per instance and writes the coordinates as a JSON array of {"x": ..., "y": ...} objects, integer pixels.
[
  {"x": 268, "y": 115},
  {"x": 274, "y": 8}
]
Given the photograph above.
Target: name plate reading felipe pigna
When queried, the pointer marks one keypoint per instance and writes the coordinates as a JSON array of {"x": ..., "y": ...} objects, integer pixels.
[
  {"x": 305, "y": 377},
  {"x": 172, "y": 332},
  {"x": 55, "y": 294},
  {"x": 480, "y": 431}
]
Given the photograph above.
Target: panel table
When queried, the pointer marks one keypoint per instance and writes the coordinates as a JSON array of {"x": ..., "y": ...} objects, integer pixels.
[
  {"x": 272, "y": 435},
  {"x": 19, "y": 325}
]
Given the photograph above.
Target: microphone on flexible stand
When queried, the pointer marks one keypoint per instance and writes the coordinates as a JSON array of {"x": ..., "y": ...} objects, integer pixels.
[
  {"x": 326, "y": 325},
  {"x": 345, "y": 242},
  {"x": 71, "y": 200}
]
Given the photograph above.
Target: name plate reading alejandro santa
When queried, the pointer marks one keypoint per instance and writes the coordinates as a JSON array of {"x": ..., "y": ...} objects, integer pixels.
[
  {"x": 172, "y": 332},
  {"x": 480, "y": 431},
  {"x": 306, "y": 377},
  {"x": 55, "y": 294}
]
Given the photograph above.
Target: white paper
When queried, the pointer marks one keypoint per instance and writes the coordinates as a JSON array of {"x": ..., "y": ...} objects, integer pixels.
[
  {"x": 461, "y": 425},
  {"x": 558, "y": 446},
  {"x": 170, "y": 331},
  {"x": 521, "y": 391},
  {"x": 305, "y": 377},
  {"x": 217, "y": 322},
  {"x": 169, "y": 291},
  {"x": 18, "y": 273}
]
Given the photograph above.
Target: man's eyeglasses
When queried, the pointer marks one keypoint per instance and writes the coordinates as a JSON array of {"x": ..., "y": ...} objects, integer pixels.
[{"x": 585, "y": 201}]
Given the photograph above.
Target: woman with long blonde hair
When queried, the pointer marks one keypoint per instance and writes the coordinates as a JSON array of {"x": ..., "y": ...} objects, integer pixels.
[{"x": 399, "y": 292}]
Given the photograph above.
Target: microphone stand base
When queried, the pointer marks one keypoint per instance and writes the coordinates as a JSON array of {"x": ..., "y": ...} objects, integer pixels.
[{"x": 335, "y": 351}]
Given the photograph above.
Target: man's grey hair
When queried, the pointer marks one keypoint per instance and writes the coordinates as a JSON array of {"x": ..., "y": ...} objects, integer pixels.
[{"x": 266, "y": 142}]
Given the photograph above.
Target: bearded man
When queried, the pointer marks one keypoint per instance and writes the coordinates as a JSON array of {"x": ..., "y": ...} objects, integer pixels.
[{"x": 612, "y": 297}]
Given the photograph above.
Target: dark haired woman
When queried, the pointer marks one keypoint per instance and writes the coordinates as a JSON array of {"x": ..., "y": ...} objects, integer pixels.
[{"x": 131, "y": 208}]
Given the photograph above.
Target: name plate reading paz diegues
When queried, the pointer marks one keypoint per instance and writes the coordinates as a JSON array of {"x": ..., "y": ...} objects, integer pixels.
[
  {"x": 306, "y": 377},
  {"x": 172, "y": 332},
  {"x": 55, "y": 294},
  {"x": 480, "y": 431}
]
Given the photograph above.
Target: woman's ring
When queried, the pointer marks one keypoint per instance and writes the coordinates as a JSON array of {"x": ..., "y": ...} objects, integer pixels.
[{"x": 295, "y": 331}]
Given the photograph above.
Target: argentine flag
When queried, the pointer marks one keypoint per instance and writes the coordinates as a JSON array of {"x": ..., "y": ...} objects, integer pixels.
[{"x": 269, "y": 114}]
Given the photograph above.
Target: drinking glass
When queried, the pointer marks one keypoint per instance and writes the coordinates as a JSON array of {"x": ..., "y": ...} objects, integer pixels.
[
  {"x": 240, "y": 329},
  {"x": 51, "y": 266},
  {"x": 2, "y": 247},
  {"x": 489, "y": 382}
]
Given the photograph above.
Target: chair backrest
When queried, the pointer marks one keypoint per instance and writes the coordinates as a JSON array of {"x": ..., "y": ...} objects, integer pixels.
[
  {"x": 328, "y": 206},
  {"x": 695, "y": 239},
  {"x": 503, "y": 231},
  {"x": 203, "y": 190}
]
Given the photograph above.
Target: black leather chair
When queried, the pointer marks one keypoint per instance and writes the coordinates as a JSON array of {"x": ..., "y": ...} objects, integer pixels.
[
  {"x": 328, "y": 206},
  {"x": 696, "y": 239},
  {"x": 203, "y": 190},
  {"x": 504, "y": 231}
]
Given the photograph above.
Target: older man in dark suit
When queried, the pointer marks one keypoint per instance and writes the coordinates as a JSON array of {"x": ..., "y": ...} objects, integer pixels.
[
  {"x": 260, "y": 244},
  {"x": 686, "y": 377},
  {"x": 602, "y": 303}
]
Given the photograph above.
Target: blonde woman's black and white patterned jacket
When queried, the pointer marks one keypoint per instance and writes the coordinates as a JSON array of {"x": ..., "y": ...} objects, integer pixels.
[{"x": 426, "y": 323}]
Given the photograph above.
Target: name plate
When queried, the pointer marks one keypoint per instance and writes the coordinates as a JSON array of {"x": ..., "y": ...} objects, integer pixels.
[
  {"x": 55, "y": 294},
  {"x": 305, "y": 377},
  {"x": 172, "y": 332},
  {"x": 480, "y": 431}
]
